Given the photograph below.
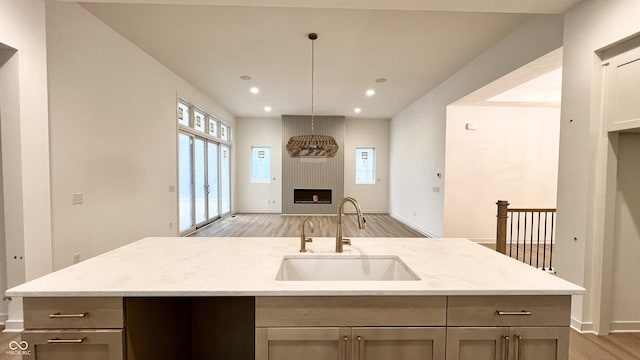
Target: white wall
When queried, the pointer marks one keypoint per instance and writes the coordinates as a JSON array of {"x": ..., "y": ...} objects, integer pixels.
[
  {"x": 258, "y": 197},
  {"x": 113, "y": 136},
  {"x": 418, "y": 132},
  {"x": 625, "y": 314},
  {"x": 367, "y": 133},
  {"x": 512, "y": 156},
  {"x": 590, "y": 26},
  {"x": 25, "y": 137},
  {"x": 268, "y": 132}
]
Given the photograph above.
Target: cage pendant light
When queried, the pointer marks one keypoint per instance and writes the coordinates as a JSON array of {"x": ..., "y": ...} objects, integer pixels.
[{"x": 312, "y": 145}]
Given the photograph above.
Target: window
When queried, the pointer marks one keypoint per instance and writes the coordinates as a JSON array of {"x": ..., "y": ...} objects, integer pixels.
[
  {"x": 260, "y": 164},
  {"x": 204, "y": 168},
  {"x": 213, "y": 127},
  {"x": 198, "y": 121},
  {"x": 365, "y": 166},
  {"x": 183, "y": 114},
  {"x": 224, "y": 132}
]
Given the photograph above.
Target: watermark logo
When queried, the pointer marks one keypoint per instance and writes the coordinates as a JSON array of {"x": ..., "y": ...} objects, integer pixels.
[{"x": 18, "y": 348}]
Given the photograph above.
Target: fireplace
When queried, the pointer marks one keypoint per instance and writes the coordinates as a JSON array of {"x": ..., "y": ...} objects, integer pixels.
[{"x": 312, "y": 196}]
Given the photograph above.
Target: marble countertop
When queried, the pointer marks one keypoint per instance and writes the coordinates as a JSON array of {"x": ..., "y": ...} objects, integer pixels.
[{"x": 248, "y": 267}]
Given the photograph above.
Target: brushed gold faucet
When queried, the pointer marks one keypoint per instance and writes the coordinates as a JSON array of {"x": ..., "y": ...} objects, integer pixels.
[
  {"x": 340, "y": 241},
  {"x": 304, "y": 239}
]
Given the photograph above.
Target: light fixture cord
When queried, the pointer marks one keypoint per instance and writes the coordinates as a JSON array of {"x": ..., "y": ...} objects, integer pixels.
[{"x": 312, "y": 81}]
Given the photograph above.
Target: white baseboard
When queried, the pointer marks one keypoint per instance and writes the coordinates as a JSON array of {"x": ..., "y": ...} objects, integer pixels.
[
  {"x": 13, "y": 325},
  {"x": 3, "y": 317},
  {"x": 258, "y": 211},
  {"x": 624, "y": 326},
  {"x": 415, "y": 227},
  {"x": 582, "y": 327},
  {"x": 614, "y": 326}
]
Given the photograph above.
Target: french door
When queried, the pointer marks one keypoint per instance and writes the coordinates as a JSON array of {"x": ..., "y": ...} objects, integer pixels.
[{"x": 204, "y": 172}]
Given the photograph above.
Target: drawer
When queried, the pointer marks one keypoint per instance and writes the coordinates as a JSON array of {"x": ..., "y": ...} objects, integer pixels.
[
  {"x": 73, "y": 313},
  {"x": 509, "y": 310},
  {"x": 351, "y": 311},
  {"x": 74, "y": 344}
]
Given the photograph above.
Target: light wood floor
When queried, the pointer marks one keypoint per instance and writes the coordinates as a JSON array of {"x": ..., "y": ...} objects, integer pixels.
[
  {"x": 276, "y": 225},
  {"x": 581, "y": 347}
]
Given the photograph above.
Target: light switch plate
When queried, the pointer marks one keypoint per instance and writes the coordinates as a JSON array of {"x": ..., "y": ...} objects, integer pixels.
[{"x": 77, "y": 199}]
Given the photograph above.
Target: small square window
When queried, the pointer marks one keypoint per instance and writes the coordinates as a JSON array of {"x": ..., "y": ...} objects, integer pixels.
[
  {"x": 183, "y": 114},
  {"x": 224, "y": 132},
  {"x": 213, "y": 127},
  {"x": 199, "y": 120}
]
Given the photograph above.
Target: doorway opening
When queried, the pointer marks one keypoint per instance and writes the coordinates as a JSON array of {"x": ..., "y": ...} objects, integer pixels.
[{"x": 502, "y": 143}]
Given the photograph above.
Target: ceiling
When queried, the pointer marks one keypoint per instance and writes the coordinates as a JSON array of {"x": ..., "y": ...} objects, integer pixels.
[{"x": 211, "y": 46}]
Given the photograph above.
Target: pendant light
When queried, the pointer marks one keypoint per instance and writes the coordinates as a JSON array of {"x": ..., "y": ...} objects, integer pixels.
[{"x": 312, "y": 145}]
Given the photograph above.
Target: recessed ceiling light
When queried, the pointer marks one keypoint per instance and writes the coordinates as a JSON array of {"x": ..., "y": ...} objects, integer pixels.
[
  {"x": 357, "y": 110},
  {"x": 371, "y": 92},
  {"x": 254, "y": 90},
  {"x": 245, "y": 77},
  {"x": 267, "y": 108},
  {"x": 381, "y": 80}
]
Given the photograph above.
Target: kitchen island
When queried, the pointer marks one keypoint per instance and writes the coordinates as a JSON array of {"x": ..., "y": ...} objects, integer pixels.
[{"x": 206, "y": 298}]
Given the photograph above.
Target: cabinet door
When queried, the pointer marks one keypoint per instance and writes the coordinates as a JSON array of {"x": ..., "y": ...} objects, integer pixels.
[
  {"x": 297, "y": 343},
  {"x": 74, "y": 344},
  {"x": 540, "y": 343},
  {"x": 411, "y": 343},
  {"x": 477, "y": 343}
]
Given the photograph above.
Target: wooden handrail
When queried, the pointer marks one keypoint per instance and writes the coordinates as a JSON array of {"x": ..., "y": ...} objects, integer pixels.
[{"x": 531, "y": 210}]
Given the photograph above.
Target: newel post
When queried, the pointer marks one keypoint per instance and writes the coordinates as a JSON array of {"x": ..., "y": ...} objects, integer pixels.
[{"x": 501, "y": 232}]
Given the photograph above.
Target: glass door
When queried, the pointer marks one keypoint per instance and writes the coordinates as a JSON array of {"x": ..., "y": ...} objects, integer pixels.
[
  {"x": 185, "y": 181},
  {"x": 212, "y": 180},
  {"x": 200, "y": 182},
  {"x": 225, "y": 179}
]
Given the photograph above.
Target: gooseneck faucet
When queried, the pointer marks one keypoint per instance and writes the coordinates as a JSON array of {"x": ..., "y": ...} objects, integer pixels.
[
  {"x": 340, "y": 241},
  {"x": 304, "y": 239}
]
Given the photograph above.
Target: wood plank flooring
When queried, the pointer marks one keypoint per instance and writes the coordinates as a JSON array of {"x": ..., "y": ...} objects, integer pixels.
[
  {"x": 581, "y": 346},
  {"x": 276, "y": 225}
]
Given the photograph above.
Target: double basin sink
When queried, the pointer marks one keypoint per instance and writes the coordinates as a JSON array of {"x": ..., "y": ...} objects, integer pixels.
[{"x": 344, "y": 268}]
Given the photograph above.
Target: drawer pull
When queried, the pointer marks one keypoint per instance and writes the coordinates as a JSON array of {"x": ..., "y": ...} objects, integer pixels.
[
  {"x": 516, "y": 313},
  {"x": 66, "y": 341},
  {"x": 67, "y": 316}
]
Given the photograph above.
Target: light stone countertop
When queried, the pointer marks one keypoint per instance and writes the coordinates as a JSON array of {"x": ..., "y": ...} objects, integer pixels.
[{"x": 248, "y": 267}]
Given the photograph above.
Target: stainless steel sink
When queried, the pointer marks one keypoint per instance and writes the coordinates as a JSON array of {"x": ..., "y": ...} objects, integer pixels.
[{"x": 344, "y": 268}]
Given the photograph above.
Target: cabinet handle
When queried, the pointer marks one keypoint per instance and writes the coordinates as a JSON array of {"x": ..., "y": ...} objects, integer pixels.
[
  {"x": 360, "y": 348},
  {"x": 518, "y": 349},
  {"x": 516, "y": 313},
  {"x": 66, "y": 341},
  {"x": 346, "y": 347},
  {"x": 505, "y": 347},
  {"x": 66, "y": 316}
]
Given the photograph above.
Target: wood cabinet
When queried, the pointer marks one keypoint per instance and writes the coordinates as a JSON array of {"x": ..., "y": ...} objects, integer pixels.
[
  {"x": 508, "y": 328},
  {"x": 344, "y": 343},
  {"x": 74, "y": 328},
  {"x": 517, "y": 343},
  {"x": 413, "y": 343},
  {"x": 345, "y": 328}
]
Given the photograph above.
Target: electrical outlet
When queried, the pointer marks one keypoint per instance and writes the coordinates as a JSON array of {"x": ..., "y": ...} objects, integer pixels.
[
  {"x": 76, "y": 258},
  {"x": 436, "y": 189},
  {"x": 172, "y": 188},
  {"x": 170, "y": 225}
]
